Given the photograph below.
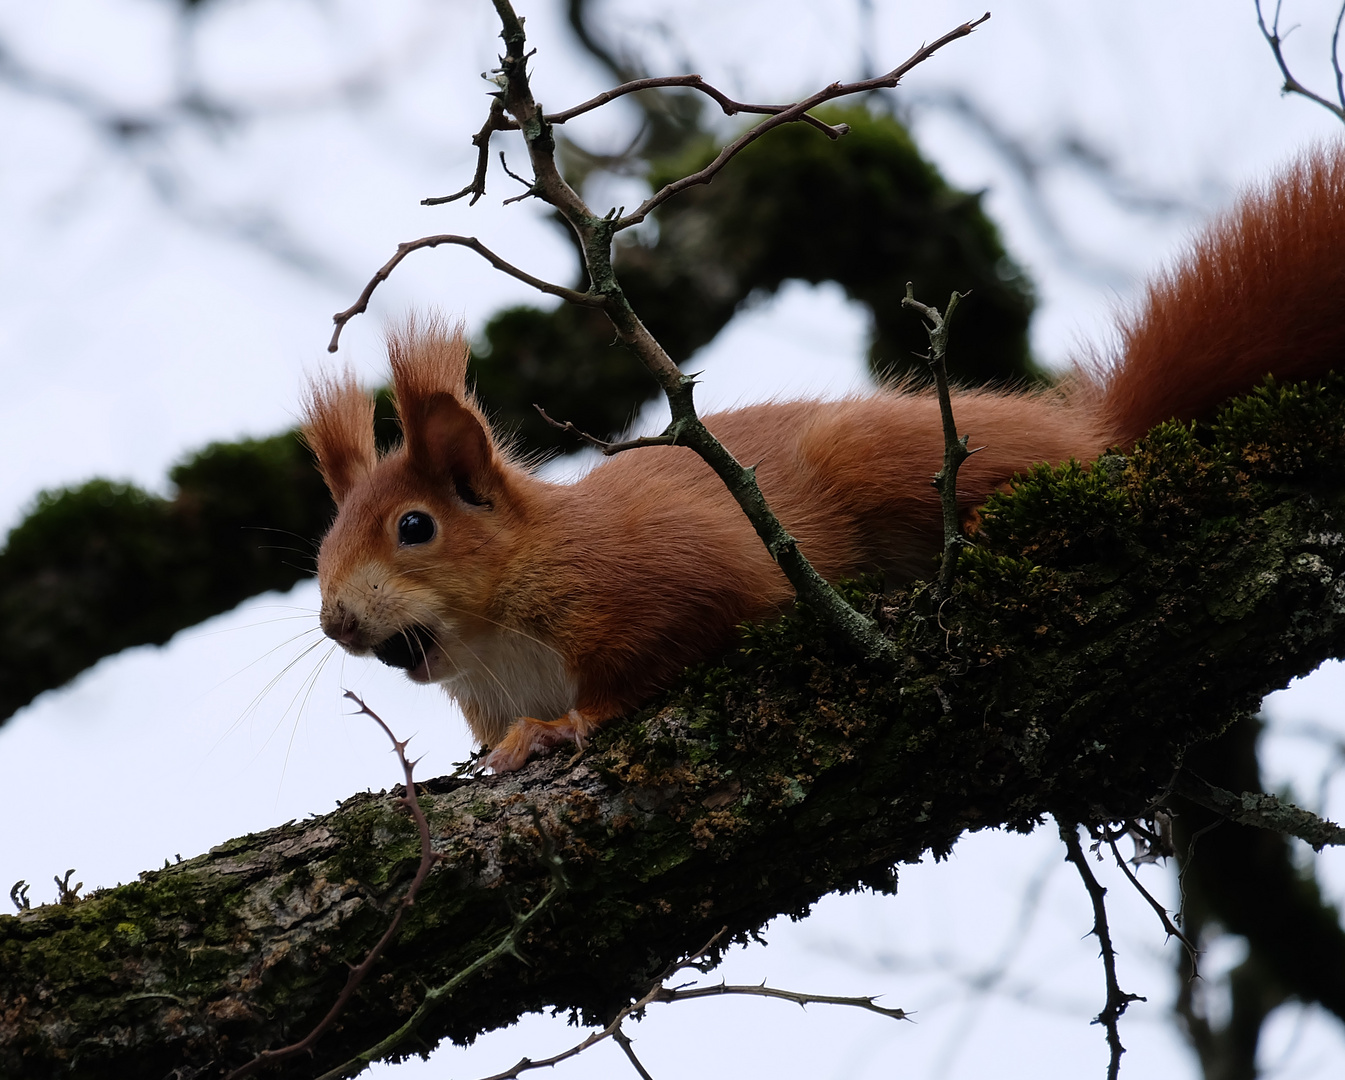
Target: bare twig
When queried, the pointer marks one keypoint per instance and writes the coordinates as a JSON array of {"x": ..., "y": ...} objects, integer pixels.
[
  {"x": 1263, "y": 811},
  {"x": 955, "y": 450},
  {"x": 1117, "y": 999},
  {"x": 658, "y": 991},
  {"x": 608, "y": 448},
  {"x": 19, "y": 894},
  {"x": 574, "y": 296},
  {"x": 868, "y": 1003},
  {"x": 1291, "y": 84},
  {"x": 793, "y": 113},
  {"x": 357, "y": 974},
  {"x": 623, "y": 1041},
  {"x": 594, "y": 1037},
  {"x": 495, "y": 121},
  {"x": 694, "y": 82},
  {"x": 435, "y": 996},
  {"x": 1192, "y": 953}
]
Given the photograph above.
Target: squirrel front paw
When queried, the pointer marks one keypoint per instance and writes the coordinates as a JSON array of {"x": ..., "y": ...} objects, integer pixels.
[{"x": 529, "y": 735}]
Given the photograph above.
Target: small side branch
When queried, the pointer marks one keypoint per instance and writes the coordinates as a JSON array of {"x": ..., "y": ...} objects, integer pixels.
[
  {"x": 867, "y": 1003},
  {"x": 955, "y": 450},
  {"x": 436, "y": 996},
  {"x": 668, "y": 438},
  {"x": 1291, "y": 85},
  {"x": 659, "y": 992},
  {"x": 1117, "y": 999},
  {"x": 791, "y": 114},
  {"x": 1261, "y": 811},
  {"x": 693, "y": 82},
  {"x": 358, "y": 973},
  {"x": 1192, "y": 953},
  {"x": 495, "y": 121},
  {"x": 573, "y": 296}
]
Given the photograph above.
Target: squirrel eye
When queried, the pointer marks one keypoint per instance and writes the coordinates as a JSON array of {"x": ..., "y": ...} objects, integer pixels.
[{"x": 416, "y": 527}]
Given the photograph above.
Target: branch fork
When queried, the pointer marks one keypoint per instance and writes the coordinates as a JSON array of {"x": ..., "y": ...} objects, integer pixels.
[{"x": 514, "y": 108}]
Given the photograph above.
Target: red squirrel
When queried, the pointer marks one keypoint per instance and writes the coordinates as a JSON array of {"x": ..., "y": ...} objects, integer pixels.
[{"x": 547, "y": 609}]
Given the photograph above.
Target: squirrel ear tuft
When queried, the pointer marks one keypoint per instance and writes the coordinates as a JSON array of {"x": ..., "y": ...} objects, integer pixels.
[
  {"x": 339, "y": 428},
  {"x": 449, "y": 439},
  {"x": 445, "y": 432}
]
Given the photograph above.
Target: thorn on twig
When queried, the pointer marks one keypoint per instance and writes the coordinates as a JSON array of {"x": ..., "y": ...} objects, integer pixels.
[
  {"x": 1117, "y": 999},
  {"x": 1192, "y": 953}
]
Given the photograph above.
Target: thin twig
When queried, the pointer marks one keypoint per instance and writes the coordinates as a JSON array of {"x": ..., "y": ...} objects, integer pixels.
[
  {"x": 1117, "y": 999},
  {"x": 623, "y": 1041},
  {"x": 1335, "y": 55},
  {"x": 791, "y": 114},
  {"x": 608, "y": 448},
  {"x": 495, "y": 121},
  {"x": 573, "y": 296},
  {"x": 692, "y": 960},
  {"x": 659, "y": 992},
  {"x": 868, "y": 1003},
  {"x": 358, "y": 973},
  {"x": 694, "y": 82},
  {"x": 1262, "y": 811},
  {"x": 435, "y": 996},
  {"x": 1292, "y": 85},
  {"x": 1192, "y": 953},
  {"x": 955, "y": 450}
]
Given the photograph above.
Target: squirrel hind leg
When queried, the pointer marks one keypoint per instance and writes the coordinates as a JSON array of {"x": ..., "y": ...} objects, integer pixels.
[{"x": 528, "y": 736}]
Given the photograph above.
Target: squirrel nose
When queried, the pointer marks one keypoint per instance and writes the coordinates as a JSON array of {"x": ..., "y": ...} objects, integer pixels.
[{"x": 341, "y": 625}]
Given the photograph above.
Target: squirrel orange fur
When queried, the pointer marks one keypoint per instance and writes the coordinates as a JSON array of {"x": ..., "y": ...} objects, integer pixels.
[{"x": 546, "y": 609}]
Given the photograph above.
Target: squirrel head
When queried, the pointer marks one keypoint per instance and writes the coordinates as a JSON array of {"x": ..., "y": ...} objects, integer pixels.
[{"x": 421, "y": 532}]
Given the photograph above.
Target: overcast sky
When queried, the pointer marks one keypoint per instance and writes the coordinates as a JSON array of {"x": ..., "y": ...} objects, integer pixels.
[{"x": 161, "y": 292}]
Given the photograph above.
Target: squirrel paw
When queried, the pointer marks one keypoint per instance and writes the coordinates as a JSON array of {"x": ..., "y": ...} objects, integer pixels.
[{"x": 529, "y": 735}]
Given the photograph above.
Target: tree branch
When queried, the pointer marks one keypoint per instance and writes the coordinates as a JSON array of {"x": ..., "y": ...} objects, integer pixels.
[
  {"x": 1169, "y": 927},
  {"x": 1097, "y": 640},
  {"x": 573, "y": 296},
  {"x": 360, "y": 971},
  {"x": 595, "y": 235},
  {"x": 955, "y": 450},
  {"x": 495, "y": 121},
  {"x": 1117, "y": 999},
  {"x": 793, "y": 113},
  {"x": 1262, "y": 811},
  {"x": 1291, "y": 84},
  {"x": 694, "y": 82}
]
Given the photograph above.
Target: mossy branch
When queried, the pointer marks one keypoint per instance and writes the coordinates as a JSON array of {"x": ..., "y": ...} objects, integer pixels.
[{"x": 1108, "y": 619}]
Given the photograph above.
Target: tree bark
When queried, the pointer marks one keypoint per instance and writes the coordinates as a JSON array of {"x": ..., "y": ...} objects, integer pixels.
[{"x": 1106, "y": 620}]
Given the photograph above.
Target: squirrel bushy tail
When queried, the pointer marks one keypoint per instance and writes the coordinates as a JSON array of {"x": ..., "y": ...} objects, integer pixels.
[{"x": 1261, "y": 291}]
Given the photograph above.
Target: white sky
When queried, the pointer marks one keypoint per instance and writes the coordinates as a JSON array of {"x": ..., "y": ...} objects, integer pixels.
[{"x": 135, "y": 327}]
